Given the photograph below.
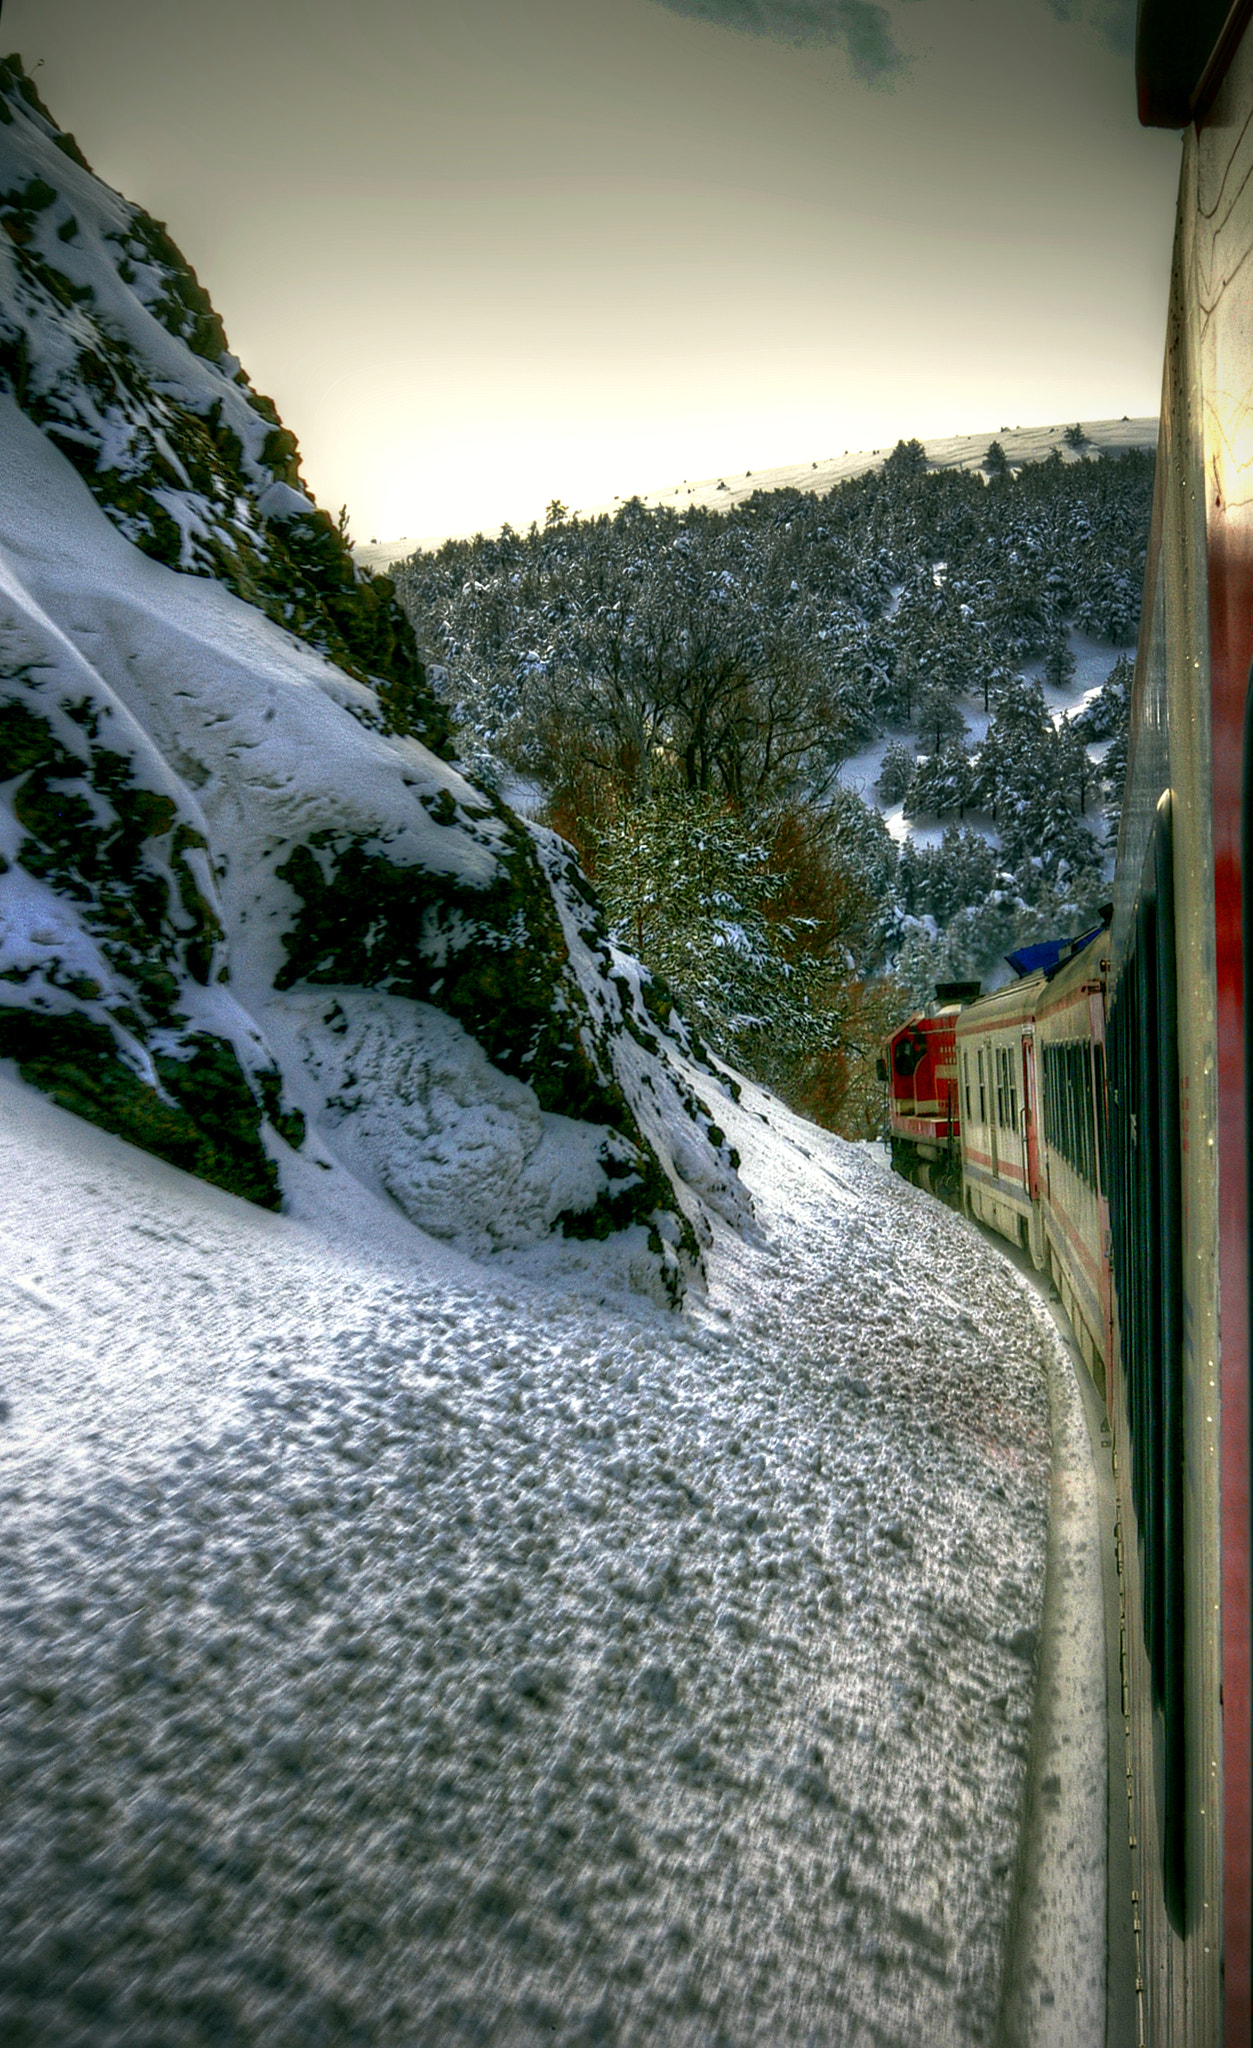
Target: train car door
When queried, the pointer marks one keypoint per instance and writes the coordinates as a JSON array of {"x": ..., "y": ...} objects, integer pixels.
[
  {"x": 1031, "y": 1152},
  {"x": 1031, "y": 1146}
]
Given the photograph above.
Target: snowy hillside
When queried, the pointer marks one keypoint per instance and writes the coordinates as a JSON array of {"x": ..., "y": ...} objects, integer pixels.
[
  {"x": 921, "y": 673},
  {"x": 399, "y": 1654},
  {"x": 248, "y": 918},
  {"x": 822, "y": 473}
]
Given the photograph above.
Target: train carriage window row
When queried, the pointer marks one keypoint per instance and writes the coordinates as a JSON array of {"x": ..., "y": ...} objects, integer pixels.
[
  {"x": 1146, "y": 1207},
  {"x": 1000, "y": 1077},
  {"x": 1069, "y": 1107}
]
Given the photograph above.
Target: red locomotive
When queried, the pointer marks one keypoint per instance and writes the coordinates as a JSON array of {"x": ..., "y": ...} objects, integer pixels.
[{"x": 924, "y": 1114}]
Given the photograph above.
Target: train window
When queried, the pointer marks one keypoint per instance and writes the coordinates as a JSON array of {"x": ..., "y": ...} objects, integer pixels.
[
  {"x": 1011, "y": 1089},
  {"x": 966, "y": 1080},
  {"x": 1069, "y": 1123},
  {"x": 1004, "y": 1089},
  {"x": 983, "y": 1102},
  {"x": 1098, "y": 1090},
  {"x": 1146, "y": 1215}
]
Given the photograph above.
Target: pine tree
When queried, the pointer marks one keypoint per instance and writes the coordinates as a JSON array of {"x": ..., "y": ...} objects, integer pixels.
[
  {"x": 937, "y": 718},
  {"x": 908, "y": 459},
  {"x": 1106, "y": 715},
  {"x": 943, "y": 784},
  {"x": 896, "y": 773},
  {"x": 1078, "y": 772},
  {"x": 1114, "y": 777},
  {"x": 1059, "y": 663}
]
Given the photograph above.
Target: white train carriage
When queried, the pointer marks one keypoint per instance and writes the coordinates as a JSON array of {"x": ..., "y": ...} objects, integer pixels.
[
  {"x": 999, "y": 1083},
  {"x": 1070, "y": 1051}
]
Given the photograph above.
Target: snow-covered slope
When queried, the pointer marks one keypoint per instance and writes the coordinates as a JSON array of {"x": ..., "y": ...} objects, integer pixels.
[
  {"x": 400, "y": 1654},
  {"x": 248, "y": 918},
  {"x": 719, "y": 493}
]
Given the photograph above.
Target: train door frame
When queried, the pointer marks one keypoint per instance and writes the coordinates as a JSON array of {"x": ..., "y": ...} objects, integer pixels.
[
  {"x": 1031, "y": 1128},
  {"x": 993, "y": 1148}
]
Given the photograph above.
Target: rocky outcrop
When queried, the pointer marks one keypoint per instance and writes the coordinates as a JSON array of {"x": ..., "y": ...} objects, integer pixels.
[{"x": 233, "y": 846}]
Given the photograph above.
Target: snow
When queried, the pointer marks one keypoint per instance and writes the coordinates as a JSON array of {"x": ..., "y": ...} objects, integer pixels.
[
  {"x": 402, "y": 1641},
  {"x": 1057, "y": 1994},
  {"x": 105, "y": 261},
  {"x": 247, "y": 720}
]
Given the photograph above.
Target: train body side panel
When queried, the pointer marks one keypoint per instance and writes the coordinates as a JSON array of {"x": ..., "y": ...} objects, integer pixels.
[
  {"x": 1221, "y": 253},
  {"x": 1187, "y": 1861}
]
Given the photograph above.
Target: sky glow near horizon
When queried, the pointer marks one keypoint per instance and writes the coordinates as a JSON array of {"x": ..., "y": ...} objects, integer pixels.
[{"x": 521, "y": 249}]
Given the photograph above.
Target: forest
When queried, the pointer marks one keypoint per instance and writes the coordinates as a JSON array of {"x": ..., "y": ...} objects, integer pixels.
[{"x": 681, "y": 694}]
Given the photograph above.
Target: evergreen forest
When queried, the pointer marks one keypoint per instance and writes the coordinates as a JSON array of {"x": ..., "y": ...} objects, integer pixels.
[{"x": 819, "y": 751}]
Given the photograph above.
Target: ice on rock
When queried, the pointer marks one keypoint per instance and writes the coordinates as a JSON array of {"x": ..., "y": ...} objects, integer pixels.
[{"x": 422, "y": 1114}]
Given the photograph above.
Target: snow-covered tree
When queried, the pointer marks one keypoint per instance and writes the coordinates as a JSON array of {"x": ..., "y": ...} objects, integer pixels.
[
  {"x": 937, "y": 718},
  {"x": 1059, "y": 662},
  {"x": 896, "y": 772},
  {"x": 1105, "y": 716},
  {"x": 744, "y": 653},
  {"x": 943, "y": 784}
]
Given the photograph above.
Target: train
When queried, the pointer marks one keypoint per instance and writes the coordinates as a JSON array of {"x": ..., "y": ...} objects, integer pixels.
[{"x": 1095, "y": 1110}]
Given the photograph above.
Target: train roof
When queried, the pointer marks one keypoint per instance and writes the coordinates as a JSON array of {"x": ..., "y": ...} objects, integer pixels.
[
  {"x": 1089, "y": 963},
  {"x": 1183, "y": 49},
  {"x": 1004, "y": 1006},
  {"x": 1037, "y": 993},
  {"x": 1050, "y": 954}
]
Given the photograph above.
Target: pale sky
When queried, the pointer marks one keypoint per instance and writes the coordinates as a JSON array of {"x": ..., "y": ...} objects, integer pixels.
[{"x": 491, "y": 252}]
